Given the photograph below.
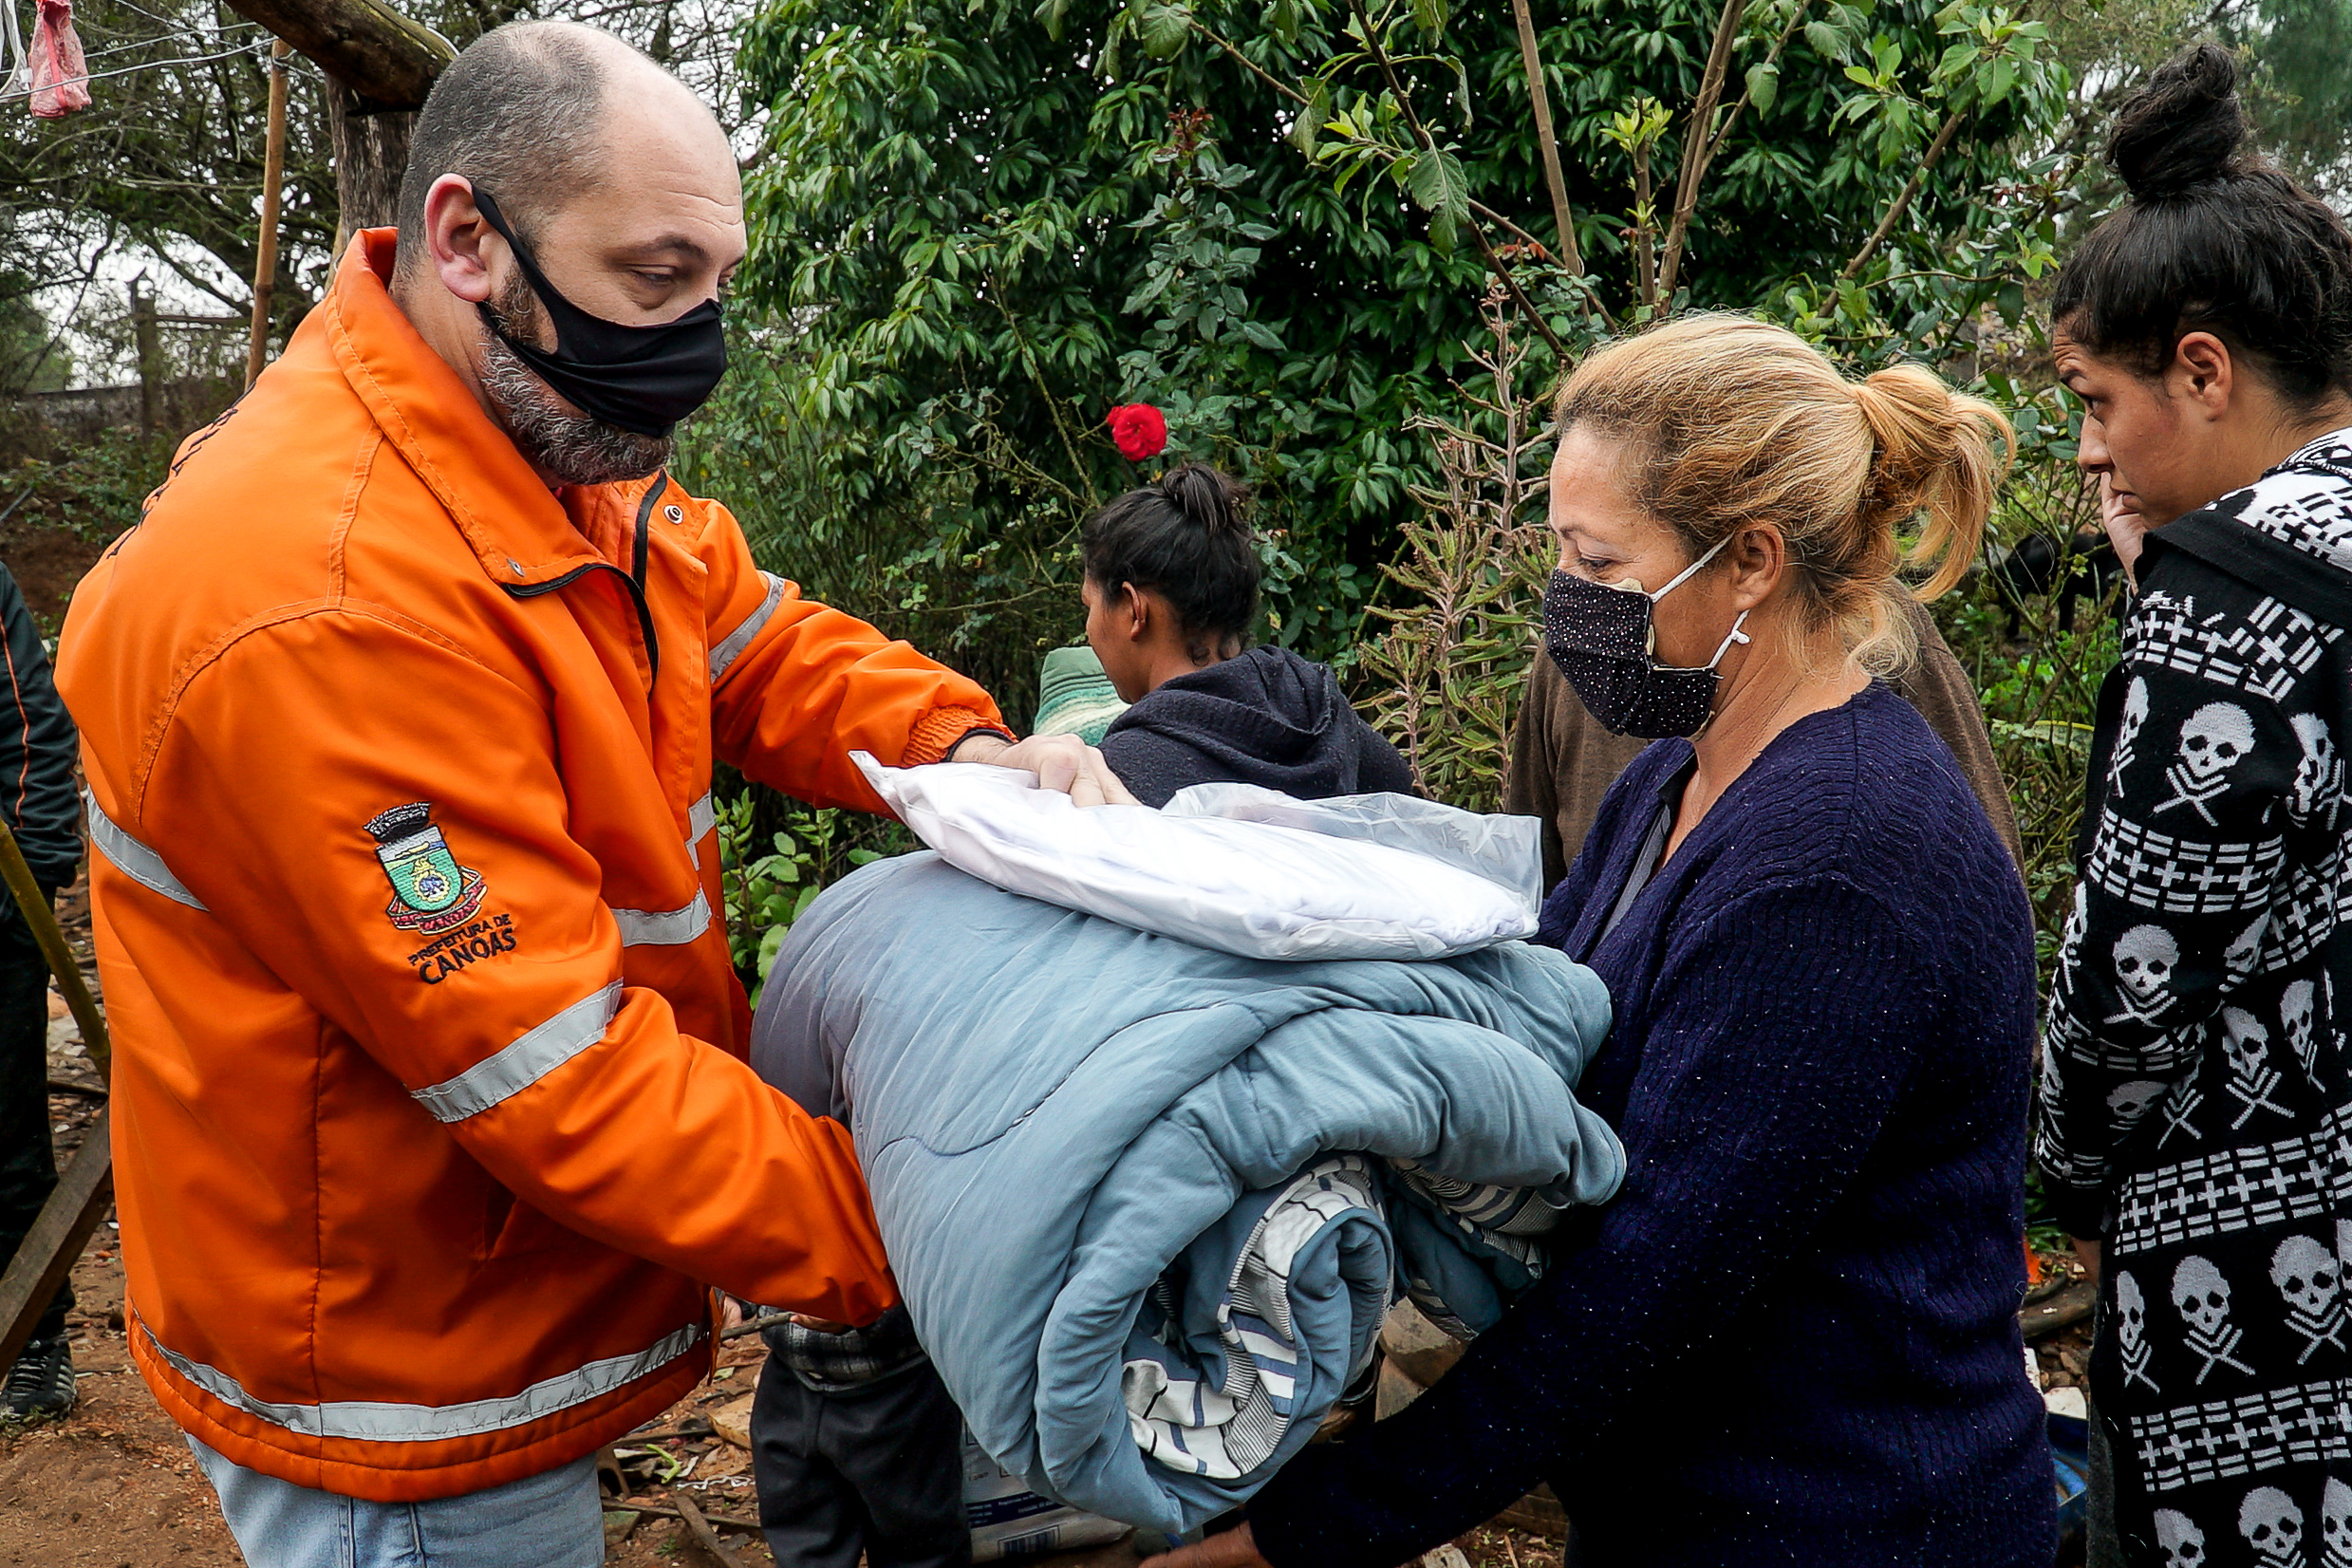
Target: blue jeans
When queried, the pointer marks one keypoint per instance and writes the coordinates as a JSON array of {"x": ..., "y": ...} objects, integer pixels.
[{"x": 550, "y": 1521}]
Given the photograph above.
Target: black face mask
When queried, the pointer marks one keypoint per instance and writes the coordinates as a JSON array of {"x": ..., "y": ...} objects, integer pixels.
[
  {"x": 643, "y": 380},
  {"x": 1602, "y": 639}
]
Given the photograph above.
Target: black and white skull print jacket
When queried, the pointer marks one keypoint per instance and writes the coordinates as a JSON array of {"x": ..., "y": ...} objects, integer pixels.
[{"x": 2195, "y": 1108}]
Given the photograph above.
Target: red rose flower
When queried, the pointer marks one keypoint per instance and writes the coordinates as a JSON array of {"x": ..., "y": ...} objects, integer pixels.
[{"x": 1140, "y": 430}]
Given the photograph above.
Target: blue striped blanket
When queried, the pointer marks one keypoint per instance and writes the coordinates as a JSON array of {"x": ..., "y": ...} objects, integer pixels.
[{"x": 1148, "y": 1203}]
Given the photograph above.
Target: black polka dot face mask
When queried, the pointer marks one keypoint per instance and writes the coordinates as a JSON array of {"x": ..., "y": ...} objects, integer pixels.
[{"x": 1602, "y": 638}]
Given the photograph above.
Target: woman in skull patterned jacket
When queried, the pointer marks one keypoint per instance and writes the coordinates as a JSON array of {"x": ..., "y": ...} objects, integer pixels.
[{"x": 2196, "y": 1104}]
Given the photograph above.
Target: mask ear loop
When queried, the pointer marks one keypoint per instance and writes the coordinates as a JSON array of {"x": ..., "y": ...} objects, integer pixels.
[
  {"x": 1725, "y": 646},
  {"x": 1681, "y": 577},
  {"x": 1685, "y": 575}
]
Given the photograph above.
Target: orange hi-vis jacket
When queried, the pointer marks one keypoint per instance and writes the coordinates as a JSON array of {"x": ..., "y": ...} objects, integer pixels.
[{"x": 430, "y": 1109}]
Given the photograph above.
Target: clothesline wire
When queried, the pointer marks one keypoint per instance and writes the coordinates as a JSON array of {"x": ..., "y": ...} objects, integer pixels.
[
  {"x": 147, "y": 66},
  {"x": 151, "y": 43}
]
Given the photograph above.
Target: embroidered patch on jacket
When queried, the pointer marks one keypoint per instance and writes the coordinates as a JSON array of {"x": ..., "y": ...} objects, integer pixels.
[
  {"x": 469, "y": 944},
  {"x": 431, "y": 892}
]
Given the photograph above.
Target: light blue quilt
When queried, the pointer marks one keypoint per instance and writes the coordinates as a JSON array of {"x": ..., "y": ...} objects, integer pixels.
[{"x": 1148, "y": 1203}]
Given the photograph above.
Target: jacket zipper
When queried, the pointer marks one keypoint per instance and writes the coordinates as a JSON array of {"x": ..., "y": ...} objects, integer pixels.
[{"x": 635, "y": 578}]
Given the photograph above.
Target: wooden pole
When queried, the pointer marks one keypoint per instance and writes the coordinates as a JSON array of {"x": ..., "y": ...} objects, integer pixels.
[
  {"x": 149, "y": 350},
  {"x": 273, "y": 187},
  {"x": 84, "y": 1190},
  {"x": 1540, "y": 97},
  {"x": 52, "y": 939}
]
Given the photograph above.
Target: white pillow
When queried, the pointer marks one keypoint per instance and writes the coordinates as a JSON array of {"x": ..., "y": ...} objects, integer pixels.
[{"x": 1256, "y": 889}]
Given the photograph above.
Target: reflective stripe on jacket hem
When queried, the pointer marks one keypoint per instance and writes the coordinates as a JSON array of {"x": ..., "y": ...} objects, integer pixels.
[
  {"x": 134, "y": 859},
  {"x": 378, "y": 1420},
  {"x": 531, "y": 1057},
  {"x": 664, "y": 927},
  {"x": 740, "y": 638}
]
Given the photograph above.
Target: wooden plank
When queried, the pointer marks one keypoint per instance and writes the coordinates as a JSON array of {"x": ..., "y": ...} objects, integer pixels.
[
  {"x": 2040, "y": 1320},
  {"x": 55, "y": 951},
  {"x": 85, "y": 1189},
  {"x": 387, "y": 59},
  {"x": 704, "y": 1535},
  {"x": 58, "y": 1233}
]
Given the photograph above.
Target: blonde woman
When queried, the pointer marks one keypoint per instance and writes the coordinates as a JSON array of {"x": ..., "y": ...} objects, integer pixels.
[{"x": 1793, "y": 1338}]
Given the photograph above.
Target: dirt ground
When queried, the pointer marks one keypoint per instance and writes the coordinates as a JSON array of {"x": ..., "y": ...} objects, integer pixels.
[{"x": 46, "y": 562}]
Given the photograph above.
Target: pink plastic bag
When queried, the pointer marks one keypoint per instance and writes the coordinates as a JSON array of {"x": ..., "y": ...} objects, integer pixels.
[{"x": 58, "y": 73}]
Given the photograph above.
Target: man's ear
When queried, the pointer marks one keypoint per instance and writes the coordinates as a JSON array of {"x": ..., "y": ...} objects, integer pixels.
[
  {"x": 2204, "y": 371},
  {"x": 457, "y": 237}
]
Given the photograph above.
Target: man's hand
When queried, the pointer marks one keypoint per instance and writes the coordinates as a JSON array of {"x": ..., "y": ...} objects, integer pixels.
[
  {"x": 2089, "y": 1253},
  {"x": 1062, "y": 764},
  {"x": 1233, "y": 1549}
]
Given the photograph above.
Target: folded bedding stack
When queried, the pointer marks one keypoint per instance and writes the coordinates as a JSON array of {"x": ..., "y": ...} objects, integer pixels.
[{"x": 1148, "y": 1201}]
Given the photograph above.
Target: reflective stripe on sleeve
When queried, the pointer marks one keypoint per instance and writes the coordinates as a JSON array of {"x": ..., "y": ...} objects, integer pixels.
[
  {"x": 740, "y": 638},
  {"x": 664, "y": 927},
  {"x": 525, "y": 1062},
  {"x": 701, "y": 818},
  {"x": 380, "y": 1421},
  {"x": 134, "y": 859}
]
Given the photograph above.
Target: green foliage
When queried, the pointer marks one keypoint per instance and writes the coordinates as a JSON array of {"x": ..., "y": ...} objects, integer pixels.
[
  {"x": 96, "y": 492},
  {"x": 765, "y": 890},
  {"x": 1448, "y": 674},
  {"x": 977, "y": 229},
  {"x": 2300, "y": 90}
]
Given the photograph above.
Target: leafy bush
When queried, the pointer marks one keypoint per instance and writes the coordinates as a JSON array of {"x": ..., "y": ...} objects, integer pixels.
[
  {"x": 977, "y": 229},
  {"x": 764, "y": 891}
]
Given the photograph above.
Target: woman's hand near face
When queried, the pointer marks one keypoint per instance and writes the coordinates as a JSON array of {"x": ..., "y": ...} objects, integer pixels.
[
  {"x": 2126, "y": 529},
  {"x": 1233, "y": 1549}
]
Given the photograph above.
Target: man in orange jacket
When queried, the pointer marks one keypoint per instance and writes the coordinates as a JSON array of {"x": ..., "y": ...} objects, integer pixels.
[{"x": 399, "y": 713}]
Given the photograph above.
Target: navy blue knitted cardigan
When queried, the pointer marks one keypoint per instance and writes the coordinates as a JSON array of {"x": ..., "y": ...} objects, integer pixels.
[{"x": 1793, "y": 1338}]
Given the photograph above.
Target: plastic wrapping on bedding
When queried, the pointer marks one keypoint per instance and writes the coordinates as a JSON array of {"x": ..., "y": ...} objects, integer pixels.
[
  {"x": 1320, "y": 885},
  {"x": 1506, "y": 851}
]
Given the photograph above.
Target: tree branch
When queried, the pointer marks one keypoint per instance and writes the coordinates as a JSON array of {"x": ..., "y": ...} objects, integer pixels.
[
  {"x": 1698, "y": 141},
  {"x": 382, "y": 55},
  {"x": 1903, "y": 198},
  {"x": 1541, "y": 99},
  {"x": 1248, "y": 65},
  {"x": 1428, "y": 149},
  {"x": 1739, "y": 106}
]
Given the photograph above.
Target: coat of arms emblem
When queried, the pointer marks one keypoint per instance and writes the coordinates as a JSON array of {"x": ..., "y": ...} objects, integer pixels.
[{"x": 431, "y": 892}]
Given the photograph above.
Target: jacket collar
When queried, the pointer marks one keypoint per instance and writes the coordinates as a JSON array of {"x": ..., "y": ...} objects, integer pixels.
[{"x": 515, "y": 525}]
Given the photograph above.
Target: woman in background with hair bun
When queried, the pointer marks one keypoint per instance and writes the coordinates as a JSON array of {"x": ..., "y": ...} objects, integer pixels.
[
  {"x": 1792, "y": 1339},
  {"x": 2195, "y": 1099},
  {"x": 1171, "y": 594}
]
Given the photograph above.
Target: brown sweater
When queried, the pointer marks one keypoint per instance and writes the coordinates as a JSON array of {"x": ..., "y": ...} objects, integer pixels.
[{"x": 1563, "y": 762}]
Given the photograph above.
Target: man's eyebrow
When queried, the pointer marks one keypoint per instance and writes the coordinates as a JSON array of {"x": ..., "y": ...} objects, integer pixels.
[{"x": 667, "y": 245}]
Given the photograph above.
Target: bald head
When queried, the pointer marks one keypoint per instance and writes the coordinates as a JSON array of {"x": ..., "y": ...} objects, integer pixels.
[{"x": 539, "y": 113}]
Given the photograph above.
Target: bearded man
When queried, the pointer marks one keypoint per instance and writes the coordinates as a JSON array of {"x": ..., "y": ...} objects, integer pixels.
[{"x": 398, "y": 713}]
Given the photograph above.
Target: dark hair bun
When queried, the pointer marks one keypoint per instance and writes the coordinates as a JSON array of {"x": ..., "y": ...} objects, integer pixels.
[
  {"x": 1209, "y": 498},
  {"x": 2184, "y": 128},
  {"x": 1187, "y": 538}
]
